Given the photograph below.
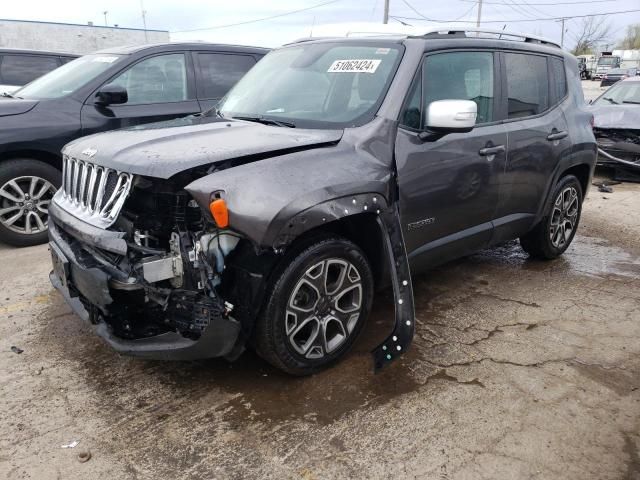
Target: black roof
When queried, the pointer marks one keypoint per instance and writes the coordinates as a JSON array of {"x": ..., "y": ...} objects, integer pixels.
[
  {"x": 36, "y": 52},
  {"x": 219, "y": 47}
]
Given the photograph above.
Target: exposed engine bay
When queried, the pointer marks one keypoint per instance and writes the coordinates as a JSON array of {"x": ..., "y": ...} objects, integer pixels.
[
  {"x": 620, "y": 148},
  {"x": 169, "y": 278}
]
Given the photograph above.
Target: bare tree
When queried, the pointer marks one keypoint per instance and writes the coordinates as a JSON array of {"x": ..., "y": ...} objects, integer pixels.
[
  {"x": 631, "y": 39},
  {"x": 593, "y": 31}
]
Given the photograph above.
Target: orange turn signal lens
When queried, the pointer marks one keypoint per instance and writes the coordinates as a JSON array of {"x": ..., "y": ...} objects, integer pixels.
[{"x": 220, "y": 212}]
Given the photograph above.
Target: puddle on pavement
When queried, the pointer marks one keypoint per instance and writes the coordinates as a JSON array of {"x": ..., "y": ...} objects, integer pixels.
[
  {"x": 256, "y": 390},
  {"x": 250, "y": 389},
  {"x": 590, "y": 256}
]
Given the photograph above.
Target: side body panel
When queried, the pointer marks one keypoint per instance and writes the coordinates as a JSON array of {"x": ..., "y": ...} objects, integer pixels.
[
  {"x": 448, "y": 193},
  {"x": 45, "y": 128}
]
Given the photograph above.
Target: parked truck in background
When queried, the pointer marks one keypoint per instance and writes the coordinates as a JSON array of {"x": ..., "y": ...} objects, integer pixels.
[
  {"x": 616, "y": 59},
  {"x": 587, "y": 66}
]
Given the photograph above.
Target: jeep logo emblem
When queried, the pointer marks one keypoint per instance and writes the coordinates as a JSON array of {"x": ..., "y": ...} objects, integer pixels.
[{"x": 89, "y": 152}]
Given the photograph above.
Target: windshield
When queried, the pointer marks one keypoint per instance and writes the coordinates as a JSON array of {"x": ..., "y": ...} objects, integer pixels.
[
  {"x": 322, "y": 85},
  {"x": 607, "y": 60},
  {"x": 68, "y": 78},
  {"x": 621, "y": 93}
]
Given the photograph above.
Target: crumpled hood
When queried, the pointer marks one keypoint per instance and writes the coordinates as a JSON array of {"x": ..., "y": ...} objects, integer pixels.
[
  {"x": 616, "y": 116},
  {"x": 164, "y": 149},
  {"x": 15, "y": 106}
]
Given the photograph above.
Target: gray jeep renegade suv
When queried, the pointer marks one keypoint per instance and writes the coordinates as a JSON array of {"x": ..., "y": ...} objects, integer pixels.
[{"x": 333, "y": 166}]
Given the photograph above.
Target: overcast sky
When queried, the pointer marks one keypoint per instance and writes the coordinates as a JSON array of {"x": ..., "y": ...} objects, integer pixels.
[{"x": 177, "y": 16}]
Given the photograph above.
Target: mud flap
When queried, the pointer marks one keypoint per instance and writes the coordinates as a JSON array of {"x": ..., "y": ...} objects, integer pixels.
[{"x": 400, "y": 339}]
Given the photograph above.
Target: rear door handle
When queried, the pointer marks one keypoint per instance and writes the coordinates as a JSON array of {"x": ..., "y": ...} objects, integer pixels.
[
  {"x": 556, "y": 136},
  {"x": 487, "y": 151}
]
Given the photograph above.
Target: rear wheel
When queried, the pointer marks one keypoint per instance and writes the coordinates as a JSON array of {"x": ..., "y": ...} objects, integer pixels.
[
  {"x": 26, "y": 189},
  {"x": 553, "y": 235},
  {"x": 317, "y": 306}
]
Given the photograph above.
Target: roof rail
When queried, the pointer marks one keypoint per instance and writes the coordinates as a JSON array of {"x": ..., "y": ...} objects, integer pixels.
[{"x": 462, "y": 31}]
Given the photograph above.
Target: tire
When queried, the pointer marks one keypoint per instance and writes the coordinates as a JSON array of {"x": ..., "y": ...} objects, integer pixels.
[
  {"x": 24, "y": 209},
  {"x": 553, "y": 235},
  {"x": 284, "y": 334}
]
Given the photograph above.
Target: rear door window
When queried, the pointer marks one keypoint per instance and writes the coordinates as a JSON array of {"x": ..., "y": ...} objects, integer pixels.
[
  {"x": 527, "y": 84},
  {"x": 22, "y": 69},
  {"x": 557, "y": 80},
  {"x": 219, "y": 72}
]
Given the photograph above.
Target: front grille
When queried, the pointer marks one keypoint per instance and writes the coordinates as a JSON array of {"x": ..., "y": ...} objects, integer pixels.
[{"x": 93, "y": 193}]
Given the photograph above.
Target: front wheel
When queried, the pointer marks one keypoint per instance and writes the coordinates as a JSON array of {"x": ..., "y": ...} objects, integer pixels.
[
  {"x": 26, "y": 189},
  {"x": 553, "y": 235},
  {"x": 316, "y": 307}
]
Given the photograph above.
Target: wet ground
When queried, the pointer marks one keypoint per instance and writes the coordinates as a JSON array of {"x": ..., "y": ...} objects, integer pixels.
[
  {"x": 592, "y": 89},
  {"x": 520, "y": 369}
]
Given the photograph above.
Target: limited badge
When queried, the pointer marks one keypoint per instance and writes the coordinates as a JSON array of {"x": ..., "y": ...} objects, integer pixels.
[{"x": 354, "y": 66}]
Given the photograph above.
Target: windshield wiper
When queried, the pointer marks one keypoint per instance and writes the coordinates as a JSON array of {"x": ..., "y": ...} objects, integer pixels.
[
  {"x": 8, "y": 95},
  {"x": 209, "y": 112},
  {"x": 631, "y": 101},
  {"x": 266, "y": 121},
  {"x": 609, "y": 99}
]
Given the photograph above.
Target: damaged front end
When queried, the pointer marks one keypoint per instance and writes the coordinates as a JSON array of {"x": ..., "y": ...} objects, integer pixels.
[
  {"x": 138, "y": 259},
  {"x": 618, "y": 147},
  {"x": 143, "y": 257}
]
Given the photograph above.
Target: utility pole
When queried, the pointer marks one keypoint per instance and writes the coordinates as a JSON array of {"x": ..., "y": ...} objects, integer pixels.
[
  {"x": 562, "y": 34},
  {"x": 144, "y": 21},
  {"x": 479, "y": 13},
  {"x": 105, "y": 17},
  {"x": 385, "y": 18}
]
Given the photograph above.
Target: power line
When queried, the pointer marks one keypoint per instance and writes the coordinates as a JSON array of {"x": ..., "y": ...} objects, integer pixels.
[
  {"x": 257, "y": 19},
  {"x": 518, "y": 9},
  {"x": 521, "y": 20},
  {"x": 542, "y": 4},
  {"x": 433, "y": 19},
  {"x": 534, "y": 9}
]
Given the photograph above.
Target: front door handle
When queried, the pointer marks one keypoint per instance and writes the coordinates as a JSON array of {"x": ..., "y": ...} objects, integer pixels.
[
  {"x": 490, "y": 151},
  {"x": 555, "y": 135}
]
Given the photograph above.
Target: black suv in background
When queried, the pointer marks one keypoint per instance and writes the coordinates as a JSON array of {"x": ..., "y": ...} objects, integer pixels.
[
  {"x": 19, "y": 67},
  {"x": 331, "y": 166},
  {"x": 109, "y": 89}
]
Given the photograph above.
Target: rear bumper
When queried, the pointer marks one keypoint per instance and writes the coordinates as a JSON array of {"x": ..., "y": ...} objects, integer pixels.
[{"x": 86, "y": 290}]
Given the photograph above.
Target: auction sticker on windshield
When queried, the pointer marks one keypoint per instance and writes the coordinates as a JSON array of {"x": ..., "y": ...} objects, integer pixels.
[{"x": 354, "y": 66}]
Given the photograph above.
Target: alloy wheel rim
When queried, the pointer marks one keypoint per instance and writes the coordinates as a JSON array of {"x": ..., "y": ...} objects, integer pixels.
[
  {"x": 324, "y": 308},
  {"x": 564, "y": 217},
  {"x": 24, "y": 204}
]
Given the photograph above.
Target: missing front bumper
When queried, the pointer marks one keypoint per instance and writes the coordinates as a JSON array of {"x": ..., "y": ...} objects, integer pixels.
[{"x": 86, "y": 290}]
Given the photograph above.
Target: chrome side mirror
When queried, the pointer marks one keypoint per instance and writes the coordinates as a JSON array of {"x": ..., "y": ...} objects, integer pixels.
[{"x": 451, "y": 116}]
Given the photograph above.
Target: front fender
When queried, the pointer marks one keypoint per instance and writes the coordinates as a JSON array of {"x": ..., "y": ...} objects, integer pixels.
[{"x": 263, "y": 197}]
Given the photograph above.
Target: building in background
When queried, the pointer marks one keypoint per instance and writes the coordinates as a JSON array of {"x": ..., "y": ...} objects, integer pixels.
[{"x": 72, "y": 38}]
